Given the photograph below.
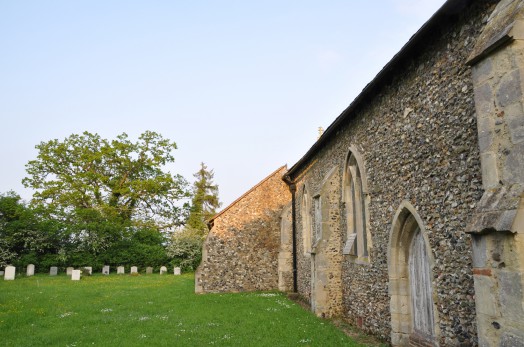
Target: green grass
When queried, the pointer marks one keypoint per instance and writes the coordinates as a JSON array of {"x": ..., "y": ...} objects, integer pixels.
[{"x": 151, "y": 310}]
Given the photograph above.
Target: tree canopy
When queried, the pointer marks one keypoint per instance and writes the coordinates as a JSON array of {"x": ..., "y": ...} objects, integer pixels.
[
  {"x": 205, "y": 199},
  {"x": 118, "y": 179}
]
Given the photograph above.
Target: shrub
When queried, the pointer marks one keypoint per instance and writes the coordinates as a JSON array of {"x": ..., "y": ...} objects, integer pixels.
[{"x": 185, "y": 249}]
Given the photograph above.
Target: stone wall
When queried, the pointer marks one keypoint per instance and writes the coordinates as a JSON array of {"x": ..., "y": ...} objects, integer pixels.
[
  {"x": 417, "y": 137},
  {"x": 242, "y": 248}
]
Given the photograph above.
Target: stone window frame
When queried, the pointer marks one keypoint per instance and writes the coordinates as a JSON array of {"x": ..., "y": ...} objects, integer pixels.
[
  {"x": 307, "y": 225},
  {"x": 407, "y": 224},
  {"x": 355, "y": 205}
]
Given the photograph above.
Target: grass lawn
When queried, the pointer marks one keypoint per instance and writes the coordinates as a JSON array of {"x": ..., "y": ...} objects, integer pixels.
[{"x": 151, "y": 310}]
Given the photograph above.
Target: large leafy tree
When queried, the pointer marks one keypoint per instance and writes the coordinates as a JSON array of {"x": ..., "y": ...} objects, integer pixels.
[
  {"x": 25, "y": 235},
  {"x": 205, "y": 199},
  {"x": 98, "y": 181}
]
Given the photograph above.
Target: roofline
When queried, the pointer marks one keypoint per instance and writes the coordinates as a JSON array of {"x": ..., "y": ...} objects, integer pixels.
[
  {"x": 448, "y": 9},
  {"x": 211, "y": 220}
]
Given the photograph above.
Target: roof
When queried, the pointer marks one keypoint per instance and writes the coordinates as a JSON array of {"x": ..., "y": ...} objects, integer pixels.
[
  {"x": 210, "y": 221},
  {"x": 445, "y": 14}
]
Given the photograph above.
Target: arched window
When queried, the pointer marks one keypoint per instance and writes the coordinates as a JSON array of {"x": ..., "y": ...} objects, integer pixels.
[
  {"x": 305, "y": 212},
  {"x": 355, "y": 209},
  {"x": 317, "y": 209}
]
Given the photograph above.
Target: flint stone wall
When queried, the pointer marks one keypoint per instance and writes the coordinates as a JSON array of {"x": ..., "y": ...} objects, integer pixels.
[
  {"x": 418, "y": 138},
  {"x": 241, "y": 250}
]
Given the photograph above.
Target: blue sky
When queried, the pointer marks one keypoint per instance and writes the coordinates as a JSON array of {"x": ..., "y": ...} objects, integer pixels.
[{"x": 240, "y": 85}]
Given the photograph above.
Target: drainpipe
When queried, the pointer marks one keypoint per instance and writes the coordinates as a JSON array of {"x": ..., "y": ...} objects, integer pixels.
[{"x": 293, "y": 188}]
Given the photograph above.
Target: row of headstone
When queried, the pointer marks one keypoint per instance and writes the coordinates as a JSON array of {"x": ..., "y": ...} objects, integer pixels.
[{"x": 10, "y": 271}]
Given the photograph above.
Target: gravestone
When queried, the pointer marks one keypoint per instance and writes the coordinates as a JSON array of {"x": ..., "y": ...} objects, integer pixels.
[
  {"x": 75, "y": 275},
  {"x": 53, "y": 271},
  {"x": 9, "y": 273},
  {"x": 69, "y": 270},
  {"x": 88, "y": 269},
  {"x": 30, "y": 270},
  {"x": 134, "y": 269},
  {"x": 177, "y": 271},
  {"x": 105, "y": 270},
  {"x": 163, "y": 270},
  {"x": 120, "y": 270},
  {"x": 149, "y": 270},
  {"x": 2, "y": 273}
]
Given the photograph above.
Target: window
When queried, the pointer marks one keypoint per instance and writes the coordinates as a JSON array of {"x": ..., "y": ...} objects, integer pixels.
[
  {"x": 317, "y": 207},
  {"x": 355, "y": 205}
]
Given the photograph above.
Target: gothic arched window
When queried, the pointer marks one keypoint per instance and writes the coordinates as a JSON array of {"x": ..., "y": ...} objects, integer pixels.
[{"x": 355, "y": 209}]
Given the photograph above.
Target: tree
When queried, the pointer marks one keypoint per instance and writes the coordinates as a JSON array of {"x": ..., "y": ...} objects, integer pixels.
[
  {"x": 185, "y": 248},
  {"x": 205, "y": 199},
  {"x": 25, "y": 235},
  {"x": 123, "y": 182}
]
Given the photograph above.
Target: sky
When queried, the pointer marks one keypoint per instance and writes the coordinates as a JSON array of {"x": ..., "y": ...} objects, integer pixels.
[{"x": 242, "y": 86}]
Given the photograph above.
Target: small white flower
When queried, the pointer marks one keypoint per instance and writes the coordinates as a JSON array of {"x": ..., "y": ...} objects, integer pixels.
[
  {"x": 144, "y": 318},
  {"x": 104, "y": 310}
]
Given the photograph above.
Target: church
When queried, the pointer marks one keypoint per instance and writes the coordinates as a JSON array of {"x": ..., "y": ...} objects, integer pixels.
[{"x": 406, "y": 217}]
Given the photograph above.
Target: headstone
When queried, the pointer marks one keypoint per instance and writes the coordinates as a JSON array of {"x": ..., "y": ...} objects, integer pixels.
[
  {"x": 120, "y": 270},
  {"x": 88, "y": 269},
  {"x": 2, "y": 273},
  {"x": 105, "y": 270},
  {"x": 163, "y": 270},
  {"x": 53, "y": 271},
  {"x": 30, "y": 270},
  {"x": 177, "y": 271},
  {"x": 149, "y": 270},
  {"x": 9, "y": 273},
  {"x": 134, "y": 269},
  {"x": 75, "y": 275},
  {"x": 69, "y": 270}
]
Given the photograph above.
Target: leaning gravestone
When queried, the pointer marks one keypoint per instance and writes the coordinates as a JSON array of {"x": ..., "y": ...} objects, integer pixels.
[
  {"x": 69, "y": 270},
  {"x": 88, "y": 269},
  {"x": 105, "y": 270},
  {"x": 149, "y": 270},
  {"x": 177, "y": 271},
  {"x": 75, "y": 275},
  {"x": 30, "y": 270},
  {"x": 120, "y": 270},
  {"x": 9, "y": 273},
  {"x": 53, "y": 271},
  {"x": 134, "y": 269},
  {"x": 163, "y": 270}
]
